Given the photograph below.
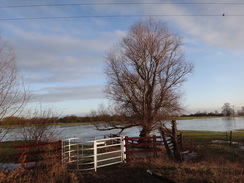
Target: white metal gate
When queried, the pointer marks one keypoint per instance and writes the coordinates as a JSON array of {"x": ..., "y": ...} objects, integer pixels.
[{"x": 81, "y": 155}]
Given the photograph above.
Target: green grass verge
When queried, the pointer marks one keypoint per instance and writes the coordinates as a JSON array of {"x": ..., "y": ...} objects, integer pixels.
[
  {"x": 216, "y": 145},
  {"x": 200, "y": 141},
  {"x": 204, "y": 117},
  {"x": 7, "y": 151}
]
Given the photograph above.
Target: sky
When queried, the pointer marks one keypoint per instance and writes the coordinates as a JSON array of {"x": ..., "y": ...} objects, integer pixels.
[{"x": 60, "y": 48}]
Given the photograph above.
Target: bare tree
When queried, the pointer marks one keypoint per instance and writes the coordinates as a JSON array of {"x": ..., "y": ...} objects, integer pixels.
[
  {"x": 111, "y": 118},
  {"x": 144, "y": 74},
  {"x": 39, "y": 126},
  {"x": 227, "y": 110},
  {"x": 13, "y": 93},
  {"x": 241, "y": 111}
]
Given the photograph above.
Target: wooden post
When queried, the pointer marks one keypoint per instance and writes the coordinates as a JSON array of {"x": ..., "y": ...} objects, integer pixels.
[
  {"x": 127, "y": 149},
  {"x": 60, "y": 150},
  {"x": 177, "y": 154},
  {"x": 23, "y": 158},
  {"x": 166, "y": 144},
  {"x": 230, "y": 138},
  {"x": 181, "y": 140},
  {"x": 154, "y": 146}
]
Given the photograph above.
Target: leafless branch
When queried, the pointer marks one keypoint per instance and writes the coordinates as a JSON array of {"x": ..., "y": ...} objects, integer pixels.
[
  {"x": 144, "y": 74},
  {"x": 13, "y": 92}
]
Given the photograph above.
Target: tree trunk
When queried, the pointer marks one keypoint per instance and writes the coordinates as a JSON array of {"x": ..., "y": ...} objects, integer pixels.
[
  {"x": 174, "y": 138},
  {"x": 145, "y": 132}
]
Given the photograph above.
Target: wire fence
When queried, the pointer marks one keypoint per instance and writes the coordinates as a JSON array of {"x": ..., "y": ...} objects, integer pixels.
[{"x": 230, "y": 138}]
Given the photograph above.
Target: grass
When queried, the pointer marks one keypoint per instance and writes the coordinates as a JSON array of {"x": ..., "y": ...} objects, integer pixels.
[
  {"x": 7, "y": 151},
  {"x": 194, "y": 117},
  {"x": 204, "y": 143},
  {"x": 215, "y": 163},
  {"x": 203, "y": 117}
]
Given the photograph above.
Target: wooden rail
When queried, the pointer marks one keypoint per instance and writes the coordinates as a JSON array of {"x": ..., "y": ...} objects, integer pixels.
[
  {"x": 38, "y": 152},
  {"x": 143, "y": 146},
  {"x": 82, "y": 155}
]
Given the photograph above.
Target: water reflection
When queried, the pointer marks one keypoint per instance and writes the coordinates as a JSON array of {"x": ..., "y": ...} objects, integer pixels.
[
  {"x": 89, "y": 131},
  {"x": 212, "y": 124}
]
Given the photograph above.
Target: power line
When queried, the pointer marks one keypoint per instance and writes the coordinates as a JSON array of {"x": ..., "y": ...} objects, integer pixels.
[
  {"x": 113, "y": 16},
  {"x": 121, "y": 3}
]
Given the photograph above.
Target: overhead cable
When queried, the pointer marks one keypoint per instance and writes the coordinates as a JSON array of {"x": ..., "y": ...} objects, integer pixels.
[
  {"x": 121, "y": 3},
  {"x": 114, "y": 16}
]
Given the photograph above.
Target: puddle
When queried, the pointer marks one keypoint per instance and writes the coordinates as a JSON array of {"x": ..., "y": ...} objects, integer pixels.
[
  {"x": 8, "y": 166},
  {"x": 241, "y": 146},
  {"x": 187, "y": 155}
]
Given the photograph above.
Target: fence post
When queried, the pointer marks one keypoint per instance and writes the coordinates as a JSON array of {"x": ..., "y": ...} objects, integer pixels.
[
  {"x": 181, "y": 141},
  {"x": 230, "y": 138},
  {"x": 23, "y": 158},
  {"x": 154, "y": 146},
  {"x": 124, "y": 150},
  {"x": 122, "y": 146},
  {"x": 127, "y": 149},
  {"x": 69, "y": 146},
  {"x": 60, "y": 146},
  {"x": 95, "y": 154},
  {"x": 63, "y": 152},
  {"x": 77, "y": 154}
]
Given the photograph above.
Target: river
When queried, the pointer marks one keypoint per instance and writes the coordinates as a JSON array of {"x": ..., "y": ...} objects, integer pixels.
[{"x": 223, "y": 124}]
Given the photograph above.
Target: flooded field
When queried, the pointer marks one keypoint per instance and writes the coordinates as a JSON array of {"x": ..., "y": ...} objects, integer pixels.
[{"x": 88, "y": 131}]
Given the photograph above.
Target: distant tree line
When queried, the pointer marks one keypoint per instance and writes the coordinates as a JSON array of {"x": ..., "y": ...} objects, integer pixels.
[
  {"x": 93, "y": 118},
  {"x": 202, "y": 114},
  {"x": 15, "y": 120},
  {"x": 227, "y": 110},
  {"x": 12, "y": 120}
]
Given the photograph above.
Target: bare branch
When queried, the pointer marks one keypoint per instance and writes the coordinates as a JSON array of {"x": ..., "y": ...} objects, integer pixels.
[
  {"x": 13, "y": 92},
  {"x": 145, "y": 72}
]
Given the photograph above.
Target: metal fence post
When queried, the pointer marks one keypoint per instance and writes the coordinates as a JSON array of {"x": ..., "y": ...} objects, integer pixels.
[
  {"x": 69, "y": 151},
  {"x": 122, "y": 146},
  {"x": 95, "y": 154},
  {"x": 77, "y": 154}
]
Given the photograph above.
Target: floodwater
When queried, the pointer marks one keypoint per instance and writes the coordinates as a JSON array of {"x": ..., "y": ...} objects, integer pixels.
[
  {"x": 223, "y": 124},
  {"x": 89, "y": 132}
]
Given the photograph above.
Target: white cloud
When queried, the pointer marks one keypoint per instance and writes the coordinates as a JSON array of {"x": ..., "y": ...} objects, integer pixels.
[
  {"x": 64, "y": 93},
  {"x": 63, "y": 58},
  {"x": 223, "y": 32}
]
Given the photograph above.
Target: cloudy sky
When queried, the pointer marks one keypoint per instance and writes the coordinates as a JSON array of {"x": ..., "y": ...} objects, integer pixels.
[{"x": 60, "y": 47}]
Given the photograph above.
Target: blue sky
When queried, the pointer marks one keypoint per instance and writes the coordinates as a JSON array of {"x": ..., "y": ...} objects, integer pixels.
[{"x": 62, "y": 59}]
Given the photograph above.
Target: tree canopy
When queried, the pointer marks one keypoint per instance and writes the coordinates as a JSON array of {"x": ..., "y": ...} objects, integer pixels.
[{"x": 144, "y": 74}]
